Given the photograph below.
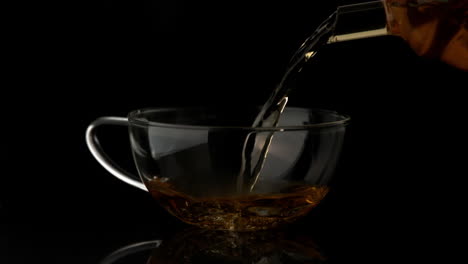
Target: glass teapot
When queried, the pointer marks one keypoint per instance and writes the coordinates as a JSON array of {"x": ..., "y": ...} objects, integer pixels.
[{"x": 433, "y": 28}]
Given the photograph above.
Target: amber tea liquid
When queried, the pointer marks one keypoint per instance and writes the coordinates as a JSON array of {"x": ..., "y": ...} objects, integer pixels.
[{"x": 243, "y": 212}]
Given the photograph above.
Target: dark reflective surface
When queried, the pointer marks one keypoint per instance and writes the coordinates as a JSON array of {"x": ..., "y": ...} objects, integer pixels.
[{"x": 205, "y": 246}]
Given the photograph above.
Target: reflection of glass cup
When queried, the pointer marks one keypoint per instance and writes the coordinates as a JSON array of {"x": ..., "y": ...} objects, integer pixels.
[
  {"x": 192, "y": 161},
  {"x": 207, "y": 246}
]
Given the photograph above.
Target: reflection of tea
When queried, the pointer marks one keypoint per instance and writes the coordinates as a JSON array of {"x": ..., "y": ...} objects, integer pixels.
[
  {"x": 267, "y": 247},
  {"x": 247, "y": 212}
]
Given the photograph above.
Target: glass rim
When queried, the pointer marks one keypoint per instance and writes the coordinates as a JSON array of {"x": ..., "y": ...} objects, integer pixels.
[{"x": 134, "y": 120}]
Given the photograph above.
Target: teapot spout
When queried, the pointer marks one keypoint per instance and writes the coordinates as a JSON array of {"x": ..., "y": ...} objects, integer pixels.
[{"x": 357, "y": 21}]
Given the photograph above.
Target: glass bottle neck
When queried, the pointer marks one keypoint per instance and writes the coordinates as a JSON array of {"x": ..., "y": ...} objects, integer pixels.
[{"x": 359, "y": 21}]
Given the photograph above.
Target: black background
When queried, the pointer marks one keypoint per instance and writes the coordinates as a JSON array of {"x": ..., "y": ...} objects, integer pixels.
[{"x": 398, "y": 188}]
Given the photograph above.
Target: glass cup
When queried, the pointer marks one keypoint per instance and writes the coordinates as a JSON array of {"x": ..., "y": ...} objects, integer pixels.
[{"x": 198, "y": 164}]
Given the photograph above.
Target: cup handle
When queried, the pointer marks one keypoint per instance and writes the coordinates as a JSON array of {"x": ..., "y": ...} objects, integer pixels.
[{"x": 103, "y": 159}]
